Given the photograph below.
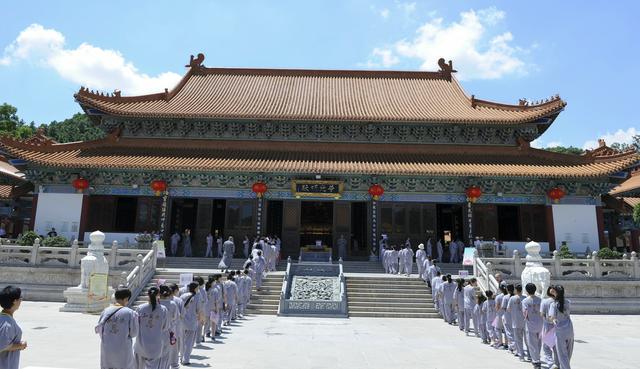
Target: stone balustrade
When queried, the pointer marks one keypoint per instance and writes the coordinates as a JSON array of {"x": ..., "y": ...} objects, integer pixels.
[
  {"x": 37, "y": 255},
  {"x": 590, "y": 268}
]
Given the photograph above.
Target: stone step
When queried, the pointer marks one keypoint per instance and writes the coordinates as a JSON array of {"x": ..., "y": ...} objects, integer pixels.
[
  {"x": 390, "y": 290},
  {"x": 352, "y": 295},
  {"x": 391, "y": 304},
  {"x": 386, "y": 285},
  {"x": 368, "y": 314},
  {"x": 389, "y": 299},
  {"x": 396, "y": 309}
]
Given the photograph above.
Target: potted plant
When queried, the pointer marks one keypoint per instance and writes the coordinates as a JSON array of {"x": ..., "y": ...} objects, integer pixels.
[
  {"x": 27, "y": 239},
  {"x": 144, "y": 240},
  {"x": 56, "y": 241}
]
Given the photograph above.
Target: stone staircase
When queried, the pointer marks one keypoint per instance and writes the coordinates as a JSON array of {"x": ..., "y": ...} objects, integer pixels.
[{"x": 389, "y": 297}]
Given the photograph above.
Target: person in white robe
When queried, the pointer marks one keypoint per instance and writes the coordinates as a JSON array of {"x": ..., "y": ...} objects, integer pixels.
[
  {"x": 170, "y": 348},
  {"x": 436, "y": 281},
  {"x": 245, "y": 246},
  {"x": 407, "y": 259},
  {"x": 154, "y": 324},
  {"x": 190, "y": 320},
  {"x": 272, "y": 260},
  {"x": 117, "y": 326},
  {"x": 186, "y": 242},
  {"x": 278, "y": 244},
  {"x": 453, "y": 252},
  {"x": 219, "y": 242},
  {"x": 174, "y": 360},
  {"x": 231, "y": 298},
  {"x": 240, "y": 282},
  {"x": 430, "y": 248},
  {"x": 215, "y": 314},
  {"x": 342, "y": 247},
  {"x": 11, "y": 343},
  {"x": 202, "y": 317},
  {"x": 209, "y": 253},
  {"x": 393, "y": 262},
  {"x": 401, "y": 253},
  {"x": 421, "y": 255},
  {"x": 425, "y": 269},
  {"x": 259, "y": 263},
  {"x": 228, "y": 248}
]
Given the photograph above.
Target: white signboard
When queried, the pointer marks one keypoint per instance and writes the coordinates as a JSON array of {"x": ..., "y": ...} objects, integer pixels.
[{"x": 186, "y": 278}]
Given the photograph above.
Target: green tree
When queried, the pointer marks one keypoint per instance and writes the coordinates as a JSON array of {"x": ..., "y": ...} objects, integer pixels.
[
  {"x": 76, "y": 128},
  {"x": 12, "y": 125},
  {"x": 566, "y": 150},
  {"x": 636, "y": 214}
]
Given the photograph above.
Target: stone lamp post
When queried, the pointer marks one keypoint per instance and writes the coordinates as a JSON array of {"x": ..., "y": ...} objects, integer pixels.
[
  {"x": 94, "y": 267},
  {"x": 534, "y": 272}
]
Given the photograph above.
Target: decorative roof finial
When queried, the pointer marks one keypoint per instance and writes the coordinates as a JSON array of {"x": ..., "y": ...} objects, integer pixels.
[
  {"x": 446, "y": 69},
  {"x": 196, "y": 62},
  {"x": 117, "y": 93},
  {"x": 601, "y": 142}
]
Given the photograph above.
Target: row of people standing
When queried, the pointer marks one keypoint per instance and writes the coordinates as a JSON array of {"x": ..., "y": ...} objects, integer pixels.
[
  {"x": 248, "y": 244},
  {"x": 167, "y": 328},
  {"x": 536, "y": 330},
  {"x": 451, "y": 252}
]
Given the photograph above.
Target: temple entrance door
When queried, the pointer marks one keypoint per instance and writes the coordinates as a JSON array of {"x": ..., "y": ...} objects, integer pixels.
[
  {"x": 316, "y": 222},
  {"x": 274, "y": 218},
  {"x": 290, "y": 229},
  {"x": 341, "y": 226},
  {"x": 450, "y": 225},
  {"x": 217, "y": 224},
  {"x": 203, "y": 225},
  {"x": 358, "y": 247},
  {"x": 183, "y": 215}
]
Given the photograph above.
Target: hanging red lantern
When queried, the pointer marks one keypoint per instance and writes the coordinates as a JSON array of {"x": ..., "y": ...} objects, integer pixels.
[
  {"x": 473, "y": 193},
  {"x": 158, "y": 186},
  {"x": 259, "y": 188},
  {"x": 556, "y": 194},
  {"x": 80, "y": 184},
  {"x": 376, "y": 191}
]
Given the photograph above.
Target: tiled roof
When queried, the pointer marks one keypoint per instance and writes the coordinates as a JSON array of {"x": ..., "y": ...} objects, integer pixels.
[
  {"x": 319, "y": 95},
  {"x": 10, "y": 192},
  {"x": 9, "y": 174},
  {"x": 629, "y": 187},
  {"x": 318, "y": 158},
  {"x": 631, "y": 201}
]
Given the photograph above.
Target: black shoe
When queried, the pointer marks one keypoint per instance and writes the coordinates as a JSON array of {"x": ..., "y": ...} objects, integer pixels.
[{"x": 208, "y": 334}]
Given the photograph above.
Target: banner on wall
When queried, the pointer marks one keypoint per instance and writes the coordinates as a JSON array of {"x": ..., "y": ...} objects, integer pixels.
[{"x": 467, "y": 258}]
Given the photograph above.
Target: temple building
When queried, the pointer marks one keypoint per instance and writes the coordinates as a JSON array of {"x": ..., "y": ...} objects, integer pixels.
[
  {"x": 621, "y": 231},
  {"x": 314, "y": 155}
]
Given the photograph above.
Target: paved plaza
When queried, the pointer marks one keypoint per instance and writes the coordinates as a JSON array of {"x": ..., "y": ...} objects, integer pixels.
[{"x": 66, "y": 340}]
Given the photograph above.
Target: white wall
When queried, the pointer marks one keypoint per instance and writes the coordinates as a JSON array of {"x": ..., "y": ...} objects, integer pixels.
[
  {"x": 61, "y": 211},
  {"x": 509, "y": 246},
  {"x": 577, "y": 225}
]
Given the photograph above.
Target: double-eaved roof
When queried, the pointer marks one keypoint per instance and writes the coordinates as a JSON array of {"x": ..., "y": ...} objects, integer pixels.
[{"x": 319, "y": 95}]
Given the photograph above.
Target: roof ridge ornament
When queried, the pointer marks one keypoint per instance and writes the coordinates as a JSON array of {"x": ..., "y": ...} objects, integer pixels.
[
  {"x": 196, "y": 62},
  {"x": 39, "y": 139},
  {"x": 446, "y": 69}
]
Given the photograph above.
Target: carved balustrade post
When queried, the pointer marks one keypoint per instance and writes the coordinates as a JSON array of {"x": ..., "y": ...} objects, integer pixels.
[
  {"x": 635, "y": 265},
  {"x": 73, "y": 254},
  {"x": 489, "y": 273},
  {"x": 517, "y": 264},
  {"x": 33, "y": 260},
  {"x": 597, "y": 266},
  {"x": 113, "y": 258},
  {"x": 557, "y": 264},
  {"x": 123, "y": 279},
  {"x": 140, "y": 266}
]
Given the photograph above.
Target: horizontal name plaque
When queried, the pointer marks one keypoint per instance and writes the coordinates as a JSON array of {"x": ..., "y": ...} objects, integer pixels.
[{"x": 310, "y": 188}]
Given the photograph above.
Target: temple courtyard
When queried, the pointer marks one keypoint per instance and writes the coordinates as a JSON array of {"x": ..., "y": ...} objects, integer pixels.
[{"x": 66, "y": 341}]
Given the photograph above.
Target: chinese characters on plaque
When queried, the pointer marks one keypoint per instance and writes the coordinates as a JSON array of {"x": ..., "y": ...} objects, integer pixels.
[{"x": 317, "y": 188}]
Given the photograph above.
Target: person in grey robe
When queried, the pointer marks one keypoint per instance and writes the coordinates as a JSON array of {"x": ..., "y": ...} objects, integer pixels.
[
  {"x": 170, "y": 348},
  {"x": 447, "y": 288},
  {"x": 439, "y": 251},
  {"x": 175, "y": 239},
  {"x": 219, "y": 244},
  {"x": 10, "y": 332},
  {"x": 429, "y": 248},
  {"x": 231, "y": 298},
  {"x": 407, "y": 259},
  {"x": 469, "y": 292},
  {"x": 209, "y": 252},
  {"x": 533, "y": 324},
  {"x": 202, "y": 317},
  {"x": 453, "y": 252},
  {"x": 342, "y": 247},
  {"x": 117, "y": 326},
  {"x": 560, "y": 316},
  {"x": 154, "y": 323},
  {"x": 190, "y": 320},
  {"x": 547, "y": 325},
  {"x": 506, "y": 317},
  {"x": 219, "y": 302},
  {"x": 186, "y": 242},
  {"x": 458, "y": 302},
  {"x": 245, "y": 246},
  {"x": 227, "y": 256},
  {"x": 514, "y": 307}
]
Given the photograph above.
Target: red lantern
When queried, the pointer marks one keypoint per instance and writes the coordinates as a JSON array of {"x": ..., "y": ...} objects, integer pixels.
[
  {"x": 556, "y": 194},
  {"x": 259, "y": 188},
  {"x": 473, "y": 193},
  {"x": 158, "y": 186},
  {"x": 80, "y": 184},
  {"x": 376, "y": 191}
]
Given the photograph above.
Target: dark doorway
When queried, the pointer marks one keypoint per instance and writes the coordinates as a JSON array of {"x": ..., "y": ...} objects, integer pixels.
[
  {"x": 183, "y": 215},
  {"x": 274, "y": 218},
  {"x": 217, "y": 223},
  {"x": 508, "y": 223},
  {"x": 359, "y": 229},
  {"x": 450, "y": 226},
  {"x": 316, "y": 222}
]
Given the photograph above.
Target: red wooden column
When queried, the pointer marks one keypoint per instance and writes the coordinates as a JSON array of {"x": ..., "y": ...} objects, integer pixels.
[
  {"x": 600, "y": 221},
  {"x": 551, "y": 234}
]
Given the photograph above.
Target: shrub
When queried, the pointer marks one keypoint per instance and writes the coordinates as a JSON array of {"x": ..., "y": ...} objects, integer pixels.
[
  {"x": 57, "y": 241},
  {"x": 636, "y": 214},
  {"x": 607, "y": 253},
  {"x": 27, "y": 239},
  {"x": 565, "y": 253}
]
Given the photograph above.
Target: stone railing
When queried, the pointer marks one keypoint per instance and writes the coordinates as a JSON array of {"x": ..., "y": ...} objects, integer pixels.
[
  {"x": 484, "y": 275},
  {"x": 37, "y": 255},
  {"x": 141, "y": 274},
  {"x": 590, "y": 268}
]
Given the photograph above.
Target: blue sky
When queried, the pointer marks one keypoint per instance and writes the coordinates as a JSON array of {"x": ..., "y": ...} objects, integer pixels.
[{"x": 587, "y": 51}]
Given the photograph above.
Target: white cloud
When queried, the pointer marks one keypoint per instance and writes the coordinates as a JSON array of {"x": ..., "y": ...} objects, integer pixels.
[
  {"x": 408, "y": 8},
  {"x": 476, "y": 54},
  {"x": 619, "y": 136},
  {"x": 384, "y": 13},
  {"x": 85, "y": 65},
  {"x": 387, "y": 58},
  {"x": 538, "y": 144}
]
